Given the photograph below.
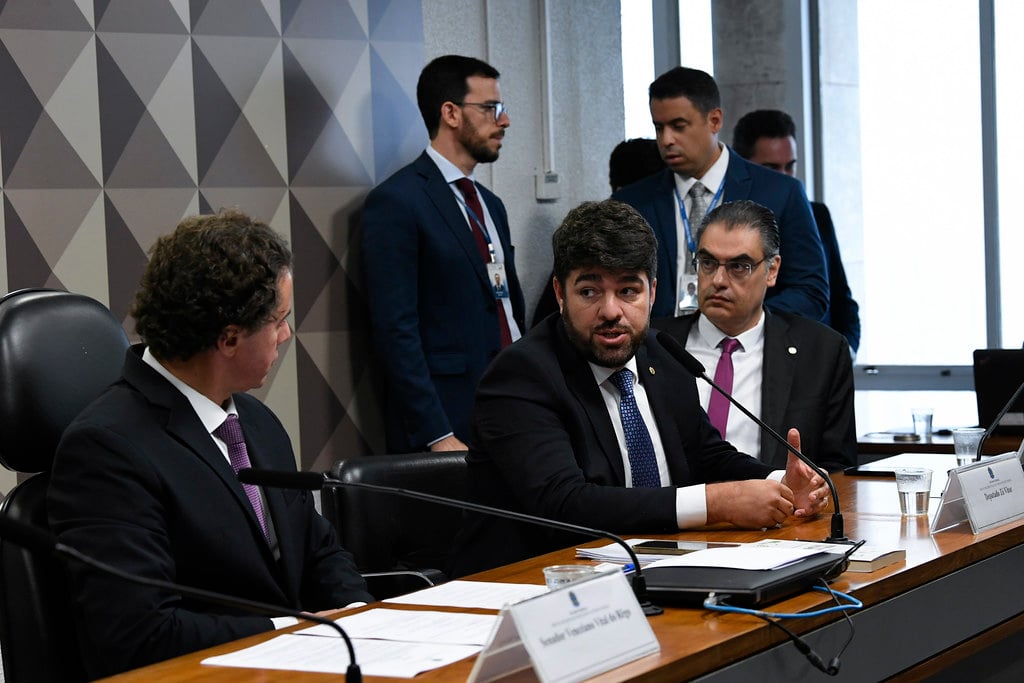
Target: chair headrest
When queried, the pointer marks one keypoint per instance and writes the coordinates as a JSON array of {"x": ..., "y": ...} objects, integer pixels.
[{"x": 58, "y": 351}]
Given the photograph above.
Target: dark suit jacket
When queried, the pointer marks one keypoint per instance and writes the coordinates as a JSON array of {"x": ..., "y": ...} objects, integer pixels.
[
  {"x": 811, "y": 389},
  {"x": 543, "y": 444},
  {"x": 843, "y": 312},
  {"x": 802, "y": 287},
  {"x": 435, "y": 321},
  {"x": 138, "y": 483}
]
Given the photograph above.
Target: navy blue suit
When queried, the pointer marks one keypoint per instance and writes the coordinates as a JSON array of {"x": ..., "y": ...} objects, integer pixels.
[
  {"x": 434, "y": 315},
  {"x": 843, "y": 311},
  {"x": 139, "y": 483},
  {"x": 802, "y": 287}
]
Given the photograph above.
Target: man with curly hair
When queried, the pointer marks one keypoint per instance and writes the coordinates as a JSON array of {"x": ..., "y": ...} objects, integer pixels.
[{"x": 145, "y": 477}]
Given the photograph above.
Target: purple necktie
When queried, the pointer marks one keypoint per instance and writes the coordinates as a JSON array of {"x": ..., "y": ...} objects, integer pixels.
[
  {"x": 230, "y": 432},
  {"x": 476, "y": 211},
  {"x": 718, "y": 406}
]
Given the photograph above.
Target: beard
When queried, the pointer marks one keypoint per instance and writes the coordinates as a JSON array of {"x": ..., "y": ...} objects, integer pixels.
[
  {"x": 476, "y": 144},
  {"x": 597, "y": 354}
]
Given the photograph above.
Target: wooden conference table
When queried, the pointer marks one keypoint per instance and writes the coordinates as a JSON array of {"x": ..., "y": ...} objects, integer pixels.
[{"x": 955, "y": 595}]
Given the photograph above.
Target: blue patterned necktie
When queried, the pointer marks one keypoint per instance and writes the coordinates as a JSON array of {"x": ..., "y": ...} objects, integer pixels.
[{"x": 639, "y": 447}]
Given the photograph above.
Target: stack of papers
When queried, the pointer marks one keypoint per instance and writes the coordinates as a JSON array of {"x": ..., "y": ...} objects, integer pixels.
[
  {"x": 748, "y": 556},
  {"x": 866, "y": 558},
  {"x": 613, "y": 552},
  {"x": 387, "y": 642}
]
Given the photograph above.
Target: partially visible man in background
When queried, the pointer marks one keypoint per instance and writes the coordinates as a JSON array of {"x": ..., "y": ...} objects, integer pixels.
[{"x": 768, "y": 137}]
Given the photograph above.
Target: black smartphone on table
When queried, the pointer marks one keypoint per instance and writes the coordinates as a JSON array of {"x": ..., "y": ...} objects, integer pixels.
[{"x": 677, "y": 547}]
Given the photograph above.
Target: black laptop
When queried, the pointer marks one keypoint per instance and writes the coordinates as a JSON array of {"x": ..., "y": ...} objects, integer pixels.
[
  {"x": 740, "y": 587},
  {"x": 997, "y": 375}
]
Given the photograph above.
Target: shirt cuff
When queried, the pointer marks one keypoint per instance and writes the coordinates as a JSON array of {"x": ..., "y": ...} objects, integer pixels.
[
  {"x": 440, "y": 438},
  {"x": 691, "y": 506},
  {"x": 776, "y": 475},
  {"x": 283, "y": 622}
]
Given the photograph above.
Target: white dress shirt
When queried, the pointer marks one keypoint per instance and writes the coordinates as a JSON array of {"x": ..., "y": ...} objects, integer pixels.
[
  {"x": 747, "y": 364},
  {"x": 691, "y": 504}
]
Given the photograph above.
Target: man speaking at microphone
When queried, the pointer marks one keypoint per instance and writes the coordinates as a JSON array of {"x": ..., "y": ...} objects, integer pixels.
[
  {"x": 145, "y": 477},
  {"x": 588, "y": 420},
  {"x": 788, "y": 370}
]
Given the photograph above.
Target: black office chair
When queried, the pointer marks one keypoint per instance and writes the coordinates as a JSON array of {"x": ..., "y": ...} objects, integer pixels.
[
  {"x": 399, "y": 544},
  {"x": 58, "y": 351}
]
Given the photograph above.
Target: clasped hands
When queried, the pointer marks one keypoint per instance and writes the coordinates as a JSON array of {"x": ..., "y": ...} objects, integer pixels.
[{"x": 760, "y": 503}]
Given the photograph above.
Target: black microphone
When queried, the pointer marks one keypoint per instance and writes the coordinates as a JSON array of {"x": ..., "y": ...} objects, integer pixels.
[
  {"x": 317, "y": 480},
  {"x": 995, "y": 422},
  {"x": 42, "y": 542},
  {"x": 694, "y": 366}
]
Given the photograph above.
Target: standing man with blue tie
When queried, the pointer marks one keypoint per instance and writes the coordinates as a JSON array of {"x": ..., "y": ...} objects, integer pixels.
[
  {"x": 434, "y": 243},
  {"x": 590, "y": 421},
  {"x": 703, "y": 173}
]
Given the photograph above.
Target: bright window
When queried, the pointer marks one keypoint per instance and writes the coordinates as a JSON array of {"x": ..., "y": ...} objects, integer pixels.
[
  {"x": 924, "y": 269},
  {"x": 1009, "y": 50}
]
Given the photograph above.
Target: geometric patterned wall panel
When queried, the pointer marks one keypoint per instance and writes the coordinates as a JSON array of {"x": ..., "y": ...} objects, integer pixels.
[{"x": 120, "y": 117}]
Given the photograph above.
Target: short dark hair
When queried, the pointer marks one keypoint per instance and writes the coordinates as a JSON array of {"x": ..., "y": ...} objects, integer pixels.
[
  {"x": 444, "y": 80},
  {"x": 211, "y": 272},
  {"x": 606, "y": 234},
  {"x": 693, "y": 84},
  {"x": 632, "y": 160},
  {"x": 762, "y": 123},
  {"x": 749, "y": 215}
]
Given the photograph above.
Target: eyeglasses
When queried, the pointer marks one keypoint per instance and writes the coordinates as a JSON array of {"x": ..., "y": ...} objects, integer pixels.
[
  {"x": 498, "y": 108},
  {"x": 736, "y": 270}
]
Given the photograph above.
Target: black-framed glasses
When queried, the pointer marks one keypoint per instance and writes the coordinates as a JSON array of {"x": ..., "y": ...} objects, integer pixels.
[
  {"x": 737, "y": 270},
  {"x": 498, "y": 108}
]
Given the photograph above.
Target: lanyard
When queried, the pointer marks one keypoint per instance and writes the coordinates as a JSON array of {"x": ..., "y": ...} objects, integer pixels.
[
  {"x": 480, "y": 224},
  {"x": 690, "y": 241}
]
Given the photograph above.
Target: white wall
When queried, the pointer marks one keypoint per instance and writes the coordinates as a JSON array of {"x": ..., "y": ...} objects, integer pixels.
[{"x": 587, "y": 106}]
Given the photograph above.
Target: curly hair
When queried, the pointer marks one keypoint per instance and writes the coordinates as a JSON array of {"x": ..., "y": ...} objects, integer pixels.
[
  {"x": 211, "y": 272},
  {"x": 606, "y": 234}
]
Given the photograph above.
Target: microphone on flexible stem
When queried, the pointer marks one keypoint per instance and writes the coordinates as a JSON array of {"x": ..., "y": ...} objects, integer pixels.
[
  {"x": 43, "y": 542},
  {"x": 317, "y": 480},
  {"x": 995, "y": 422},
  {"x": 694, "y": 366}
]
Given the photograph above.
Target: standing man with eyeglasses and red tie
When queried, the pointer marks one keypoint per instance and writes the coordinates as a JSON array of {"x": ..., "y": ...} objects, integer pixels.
[
  {"x": 790, "y": 371},
  {"x": 434, "y": 243}
]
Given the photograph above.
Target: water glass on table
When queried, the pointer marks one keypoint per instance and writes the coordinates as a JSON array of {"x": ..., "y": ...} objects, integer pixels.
[
  {"x": 914, "y": 485},
  {"x": 965, "y": 444}
]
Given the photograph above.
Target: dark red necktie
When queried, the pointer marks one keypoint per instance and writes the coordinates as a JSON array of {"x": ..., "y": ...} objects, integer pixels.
[{"x": 468, "y": 188}]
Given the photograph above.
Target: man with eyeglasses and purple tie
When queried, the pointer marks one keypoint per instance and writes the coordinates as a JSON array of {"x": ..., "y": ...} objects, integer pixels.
[
  {"x": 790, "y": 371},
  {"x": 434, "y": 244}
]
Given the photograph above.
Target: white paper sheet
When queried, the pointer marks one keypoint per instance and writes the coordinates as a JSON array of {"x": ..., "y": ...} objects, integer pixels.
[
  {"x": 740, "y": 557},
  {"x": 482, "y": 594},
  {"x": 291, "y": 652},
  {"x": 450, "y": 628}
]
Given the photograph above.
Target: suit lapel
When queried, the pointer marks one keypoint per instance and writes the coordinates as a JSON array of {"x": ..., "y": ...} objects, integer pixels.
[
  {"x": 778, "y": 370},
  {"x": 662, "y": 397},
  {"x": 666, "y": 212},
  {"x": 185, "y": 427},
  {"x": 580, "y": 381},
  {"x": 737, "y": 179},
  {"x": 443, "y": 199}
]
